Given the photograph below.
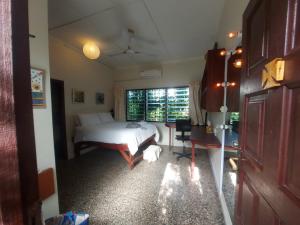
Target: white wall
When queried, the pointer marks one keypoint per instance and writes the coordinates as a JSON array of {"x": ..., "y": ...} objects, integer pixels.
[
  {"x": 78, "y": 72},
  {"x": 231, "y": 20},
  {"x": 175, "y": 73},
  {"x": 39, "y": 57}
]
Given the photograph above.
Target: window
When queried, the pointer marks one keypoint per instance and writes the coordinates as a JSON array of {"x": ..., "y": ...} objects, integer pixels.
[
  {"x": 158, "y": 105},
  {"x": 135, "y": 105},
  {"x": 178, "y": 104}
]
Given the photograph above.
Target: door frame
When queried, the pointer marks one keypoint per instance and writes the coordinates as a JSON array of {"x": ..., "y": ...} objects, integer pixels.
[
  {"x": 19, "y": 201},
  {"x": 62, "y": 83}
]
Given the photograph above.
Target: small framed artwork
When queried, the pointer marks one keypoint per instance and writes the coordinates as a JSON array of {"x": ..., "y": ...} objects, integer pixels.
[
  {"x": 38, "y": 88},
  {"x": 77, "y": 96},
  {"x": 99, "y": 98}
]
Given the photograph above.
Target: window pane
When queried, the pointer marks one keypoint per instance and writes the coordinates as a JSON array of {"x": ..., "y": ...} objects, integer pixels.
[
  {"x": 135, "y": 105},
  {"x": 178, "y": 104},
  {"x": 156, "y": 105}
]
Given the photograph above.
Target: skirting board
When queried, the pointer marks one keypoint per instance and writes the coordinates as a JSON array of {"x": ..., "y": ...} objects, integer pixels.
[{"x": 225, "y": 210}]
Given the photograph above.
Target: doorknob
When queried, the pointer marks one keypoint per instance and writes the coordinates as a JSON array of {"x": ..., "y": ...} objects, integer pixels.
[{"x": 273, "y": 73}]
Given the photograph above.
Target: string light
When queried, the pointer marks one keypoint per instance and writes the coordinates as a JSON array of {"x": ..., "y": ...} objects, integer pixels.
[
  {"x": 232, "y": 35},
  {"x": 229, "y": 84},
  {"x": 223, "y": 53},
  {"x": 239, "y": 50},
  {"x": 238, "y": 63}
]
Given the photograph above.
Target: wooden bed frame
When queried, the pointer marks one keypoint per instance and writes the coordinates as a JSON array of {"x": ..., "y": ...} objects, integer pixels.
[{"x": 122, "y": 148}]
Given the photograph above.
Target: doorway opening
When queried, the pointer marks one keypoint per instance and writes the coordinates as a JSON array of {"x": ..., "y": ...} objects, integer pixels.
[{"x": 59, "y": 120}]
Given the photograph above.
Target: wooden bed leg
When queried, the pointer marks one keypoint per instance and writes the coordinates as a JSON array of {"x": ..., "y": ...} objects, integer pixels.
[
  {"x": 131, "y": 164},
  {"x": 153, "y": 142}
]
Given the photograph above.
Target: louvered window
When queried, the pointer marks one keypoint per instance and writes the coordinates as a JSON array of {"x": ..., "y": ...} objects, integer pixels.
[{"x": 158, "y": 104}]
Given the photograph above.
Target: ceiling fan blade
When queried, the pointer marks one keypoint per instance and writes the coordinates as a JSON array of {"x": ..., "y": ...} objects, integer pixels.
[{"x": 117, "y": 54}]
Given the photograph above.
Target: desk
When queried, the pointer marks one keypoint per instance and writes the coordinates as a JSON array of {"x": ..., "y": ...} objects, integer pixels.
[
  {"x": 170, "y": 126},
  {"x": 200, "y": 137},
  {"x": 210, "y": 141}
]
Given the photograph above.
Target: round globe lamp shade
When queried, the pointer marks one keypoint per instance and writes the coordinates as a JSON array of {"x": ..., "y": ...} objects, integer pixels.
[{"x": 91, "y": 50}]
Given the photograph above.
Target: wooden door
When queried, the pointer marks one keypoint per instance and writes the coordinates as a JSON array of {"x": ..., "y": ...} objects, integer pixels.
[
  {"x": 59, "y": 119},
  {"x": 269, "y": 181},
  {"x": 19, "y": 202}
]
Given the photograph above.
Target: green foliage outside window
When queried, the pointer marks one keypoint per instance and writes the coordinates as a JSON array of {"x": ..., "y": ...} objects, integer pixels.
[{"x": 158, "y": 105}]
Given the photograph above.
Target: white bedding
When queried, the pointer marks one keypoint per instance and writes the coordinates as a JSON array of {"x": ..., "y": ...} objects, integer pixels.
[{"x": 117, "y": 133}]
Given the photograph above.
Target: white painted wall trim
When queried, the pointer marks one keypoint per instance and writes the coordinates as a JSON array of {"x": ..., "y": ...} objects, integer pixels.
[{"x": 225, "y": 210}]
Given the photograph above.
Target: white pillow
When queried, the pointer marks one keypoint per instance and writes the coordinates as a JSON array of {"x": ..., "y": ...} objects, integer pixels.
[
  {"x": 105, "y": 117},
  {"x": 88, "y": 119}
]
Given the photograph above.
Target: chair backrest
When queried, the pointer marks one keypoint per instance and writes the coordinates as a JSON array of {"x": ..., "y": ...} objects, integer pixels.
[{"x": 183, "y": 125}]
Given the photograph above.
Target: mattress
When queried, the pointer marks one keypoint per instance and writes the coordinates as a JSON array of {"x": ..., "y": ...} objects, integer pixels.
[{"x": 132, "y": 134}]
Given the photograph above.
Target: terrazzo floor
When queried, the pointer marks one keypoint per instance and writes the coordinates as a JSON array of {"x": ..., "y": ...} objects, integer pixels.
[{"x": 161, "y": 192}]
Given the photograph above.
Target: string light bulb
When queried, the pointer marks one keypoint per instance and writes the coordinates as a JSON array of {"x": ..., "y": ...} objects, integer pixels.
[
  {"x": 223, "y": 53},
  {"x": 232, "y": 35},
  {"x": 238, "y": 63},
  {"x": 239, "y": 50}
]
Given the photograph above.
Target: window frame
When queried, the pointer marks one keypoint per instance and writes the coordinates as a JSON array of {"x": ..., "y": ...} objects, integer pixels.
[{"x": 145, "y": 102}]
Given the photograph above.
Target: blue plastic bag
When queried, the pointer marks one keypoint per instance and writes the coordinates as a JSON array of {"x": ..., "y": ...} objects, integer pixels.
[{"x": 69, "y": 218}]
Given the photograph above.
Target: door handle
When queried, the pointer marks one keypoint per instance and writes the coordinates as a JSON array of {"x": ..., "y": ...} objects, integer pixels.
[{"x": 273, "y": 73}]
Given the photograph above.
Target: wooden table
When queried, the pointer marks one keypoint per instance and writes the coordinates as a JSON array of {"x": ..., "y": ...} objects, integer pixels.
[
  {"x": 207, "y": 140},
  {"x": 200, "y": 137},
  {"x": 210, "y": 141}
]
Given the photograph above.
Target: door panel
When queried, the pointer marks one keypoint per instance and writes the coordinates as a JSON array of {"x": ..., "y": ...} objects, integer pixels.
[
  {"x": 247, "y": 212},
  {"x": 276, "y": 28},
  {"x": 254, "y": 125},
  {"x": 270, "y": 143},
  {"x": 293, "y": 27},
  {"x": 257, "y": 34},
  {"x": 266, "y": 215},
  {"x": 292, "y": 51},
  {"x": 290, "y": 179}
]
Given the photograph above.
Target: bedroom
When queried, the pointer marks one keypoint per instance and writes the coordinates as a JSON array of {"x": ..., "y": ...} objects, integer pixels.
[{"x": 112, "y": 80}]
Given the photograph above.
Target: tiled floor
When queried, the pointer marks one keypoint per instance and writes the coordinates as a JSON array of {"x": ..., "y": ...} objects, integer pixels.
[{"x": 162, "y": 192}]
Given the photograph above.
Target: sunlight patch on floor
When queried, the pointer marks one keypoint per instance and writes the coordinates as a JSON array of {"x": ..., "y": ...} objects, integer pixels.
[
  {"x": 233, "y": 178},
  {"x": 195, "y": 178},
  {"x": 170, "y": 180}
]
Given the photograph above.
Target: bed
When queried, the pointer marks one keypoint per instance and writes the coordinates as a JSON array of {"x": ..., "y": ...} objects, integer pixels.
[{"x": 99, "y": 129}]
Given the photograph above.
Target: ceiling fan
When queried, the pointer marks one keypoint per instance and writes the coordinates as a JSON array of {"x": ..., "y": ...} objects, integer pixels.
[{"x": 129, "y": 50}]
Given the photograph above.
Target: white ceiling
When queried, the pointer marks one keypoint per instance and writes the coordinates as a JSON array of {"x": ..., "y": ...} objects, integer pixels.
[{"x": 169, "y": 29}]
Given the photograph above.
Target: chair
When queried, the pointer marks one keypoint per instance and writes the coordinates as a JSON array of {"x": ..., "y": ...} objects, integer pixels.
[{"x": 183, "y": 126}]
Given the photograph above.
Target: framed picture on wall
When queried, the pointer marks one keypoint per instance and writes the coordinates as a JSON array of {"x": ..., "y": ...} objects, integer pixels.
[
  {"x": 38, "y": 88},
  {"x": 77, "y": 96},
  {"x": 99, "y": 98}
]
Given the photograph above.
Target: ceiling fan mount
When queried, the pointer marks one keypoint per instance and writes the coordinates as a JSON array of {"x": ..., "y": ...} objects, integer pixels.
[{"x": 130, "y": 50}]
